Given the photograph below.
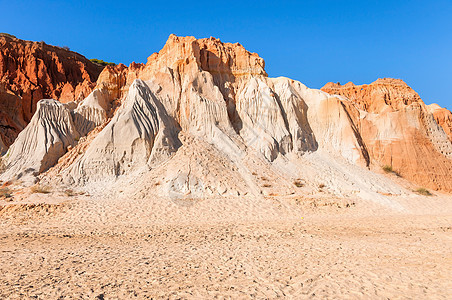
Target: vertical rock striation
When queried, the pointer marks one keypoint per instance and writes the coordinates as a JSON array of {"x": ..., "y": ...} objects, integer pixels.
[{"x": 39, "y": 146}]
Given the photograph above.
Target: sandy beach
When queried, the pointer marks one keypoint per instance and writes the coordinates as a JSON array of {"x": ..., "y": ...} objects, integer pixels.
[{"x": 266, "y": 248}]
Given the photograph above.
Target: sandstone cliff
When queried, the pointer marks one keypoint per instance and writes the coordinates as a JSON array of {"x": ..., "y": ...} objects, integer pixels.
[
  {"x": 202, "y": 118},
  {"x": 31, "y": 71},
  {"x": 229, "y": 129},
  {"x": 399, "y": 130},
  {"x": 378, "y": 95}
]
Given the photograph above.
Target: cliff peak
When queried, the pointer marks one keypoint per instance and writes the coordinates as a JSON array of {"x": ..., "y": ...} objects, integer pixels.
[{"x": 210, "y": 54}]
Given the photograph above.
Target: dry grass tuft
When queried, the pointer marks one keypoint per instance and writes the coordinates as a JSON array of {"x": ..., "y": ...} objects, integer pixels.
[
  {"x": 298, "y": 183},
  {"x": 388, "y": 169},
  {"x": 70, "y": 193},
  {"x": 40, "y": 189},
  {"x": 423, "y": 191},
  {"x": 5, "y": 193}
]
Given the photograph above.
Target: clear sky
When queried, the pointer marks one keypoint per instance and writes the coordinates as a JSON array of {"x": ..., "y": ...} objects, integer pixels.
[{"x": 311, "y": 41}]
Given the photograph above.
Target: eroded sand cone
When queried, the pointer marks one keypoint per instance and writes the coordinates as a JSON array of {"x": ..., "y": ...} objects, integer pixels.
[
  {"x": 39, "y": 146},
  {"x": 139, "y": 133}
]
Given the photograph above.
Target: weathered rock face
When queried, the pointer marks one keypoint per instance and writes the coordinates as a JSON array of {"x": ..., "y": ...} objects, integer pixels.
[
  {"x": 138, "y": 134},
  {"x": 31, "y": 71},
  {"x": 11, "y": 116},
  {"x": 91, "y": 112},
  {"x": 113, "y": 79},
  {"x": 185, "y": 55},
  {"x": 204, "y": 118},
  {"x": 210, "y": 55},
  {"x": 217, "y": 94},
  {"x": 39, "y": 146},
  {"x": 379, "y": 95},
  {"x": 399, "y": 130}
]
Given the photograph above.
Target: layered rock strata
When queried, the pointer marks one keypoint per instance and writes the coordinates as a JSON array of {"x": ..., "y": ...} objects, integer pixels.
[
  {"x": 400, "y": 131},
  {"x": 31, "y": 71}
]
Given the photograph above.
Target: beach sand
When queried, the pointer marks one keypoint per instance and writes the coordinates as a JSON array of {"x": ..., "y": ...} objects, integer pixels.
[{"x": 225, "y": 248}]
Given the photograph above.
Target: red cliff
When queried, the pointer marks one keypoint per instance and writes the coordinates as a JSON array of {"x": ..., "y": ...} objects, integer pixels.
[{"x": 31, "y": 71}]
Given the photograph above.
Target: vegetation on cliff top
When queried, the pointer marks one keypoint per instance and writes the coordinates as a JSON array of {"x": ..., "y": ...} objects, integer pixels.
[{"x": 101, "y": 62}]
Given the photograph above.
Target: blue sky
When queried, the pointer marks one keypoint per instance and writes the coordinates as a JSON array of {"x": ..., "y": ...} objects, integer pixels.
[{"x": 311, "y": 41}]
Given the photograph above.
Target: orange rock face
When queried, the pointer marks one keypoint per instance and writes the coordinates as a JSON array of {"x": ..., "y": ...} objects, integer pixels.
[
  {"x": 115, "y": 78},
  {"x": 210, "y": 54},
  {"x": 391, "y": 121},
  {"x": 180, "y": 61},
  {"x": 185, "y": 55},
  {"x": 381, "y": 94},
  {"x": 401, "y": 131},
  {"x": 31, "y": 71}
]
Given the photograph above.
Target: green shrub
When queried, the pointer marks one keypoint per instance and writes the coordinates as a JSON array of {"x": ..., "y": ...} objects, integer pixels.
[
  {"x": 101, "y": 62},
  {"x": 389, "y": 169}
]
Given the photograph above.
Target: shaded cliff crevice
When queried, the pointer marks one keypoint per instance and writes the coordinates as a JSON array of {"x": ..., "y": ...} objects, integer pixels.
[{"x": 358, "y": 136}]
